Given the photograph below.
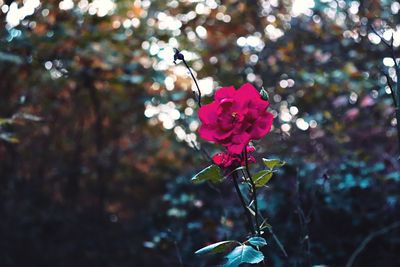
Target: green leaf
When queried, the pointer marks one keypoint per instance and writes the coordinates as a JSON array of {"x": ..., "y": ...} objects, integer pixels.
[
  {"x": 257, "y": 241},
  {"x": 215, "y": 248},
  {"x": 272, "y": 163},
  {"x": 243, "y": 254},
  {"x": 262, "y": 178},
  {"x": 211, "y": 173}
]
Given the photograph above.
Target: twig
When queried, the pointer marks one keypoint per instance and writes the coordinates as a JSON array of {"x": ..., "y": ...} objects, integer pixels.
[
  {"x": 179, "y": 55},
  {"x": 395, "y": 96},
  {"x": 391, "y": 88},
  {"x": 278, "y": 242},
  {"x": 368, "y": 239},
  {"x": 178, "y": 254},
  {"x": 390, "y": 46}
]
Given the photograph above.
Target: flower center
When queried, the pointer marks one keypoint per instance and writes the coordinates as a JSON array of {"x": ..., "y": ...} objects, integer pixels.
[{"x": 234, "y": 114}]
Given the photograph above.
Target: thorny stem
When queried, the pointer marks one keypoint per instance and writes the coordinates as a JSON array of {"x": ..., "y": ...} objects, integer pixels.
[
  {"x": 246, "y": 211},
  {"x": 254, "y": 191},
  {"x": 179, "y": 55}
]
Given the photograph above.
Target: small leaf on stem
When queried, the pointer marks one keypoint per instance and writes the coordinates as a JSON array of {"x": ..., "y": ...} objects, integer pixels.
[
  {"x": 272, "y": 163},
  {"x": 262, "y": 178},
  {"x": 243, "y": 254},
  {"x": 211, "y": 173},
  {"x": 257, "y": 241},
  {"x": 215, "y": 248}
]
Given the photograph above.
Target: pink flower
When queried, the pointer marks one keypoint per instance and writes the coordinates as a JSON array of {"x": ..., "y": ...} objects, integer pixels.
[
  {"x": 235, "y": 117},
  {"x": 226, "y": 159}
]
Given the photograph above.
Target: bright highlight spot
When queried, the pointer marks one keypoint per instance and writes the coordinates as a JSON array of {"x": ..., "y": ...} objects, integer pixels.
[
  {"x": 66, "y": 5},
  {"x": 302, "y": 124},
  {"x": 15, "y": 15},
  {"x": 302, "y": 7}
]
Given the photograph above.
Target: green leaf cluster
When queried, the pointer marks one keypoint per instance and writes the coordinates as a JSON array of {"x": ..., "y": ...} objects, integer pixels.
[{"x": 263, "y": 177}]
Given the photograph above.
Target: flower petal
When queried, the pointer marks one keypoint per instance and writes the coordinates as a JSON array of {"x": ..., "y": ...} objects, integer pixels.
[
  {"x": 225, "y": 92},
  {"x": 208, "y": 113}
]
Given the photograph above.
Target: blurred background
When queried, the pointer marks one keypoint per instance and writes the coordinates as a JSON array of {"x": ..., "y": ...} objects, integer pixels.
[{"x": 98, "y": 129}]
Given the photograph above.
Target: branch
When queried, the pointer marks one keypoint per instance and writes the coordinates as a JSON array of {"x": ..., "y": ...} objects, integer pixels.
[
  {"x": 368, "y": 239},
  {"x": 389, "y": 45},
  {"x": 391, "y": 89},
  {"x": 179, "y": 55},
  {"x": 395, "y": 96},
  {"x": 278, "y": 242},
  {"x": 280, "y": 245}
]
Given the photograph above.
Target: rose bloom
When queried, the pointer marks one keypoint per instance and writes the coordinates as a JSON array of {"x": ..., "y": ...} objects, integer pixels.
[
  {"x": 226, "y": 160},
  {"x": 235, "y": 117}
]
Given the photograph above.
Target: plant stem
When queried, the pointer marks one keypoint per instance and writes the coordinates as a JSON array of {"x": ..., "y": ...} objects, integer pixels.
[
  {"x": 195, "y": 81},
  {"x": 179, "y": 55},
  {"x": 254, "y": 189},
  {"x": 246, "y": 211},
  {"x": 397, "y": 98}
]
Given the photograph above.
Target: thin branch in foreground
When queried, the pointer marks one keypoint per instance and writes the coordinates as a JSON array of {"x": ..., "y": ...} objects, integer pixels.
[
  {"x": 395, "y": 95},
  {"x": 368, "y": 239},
  {"x": 391, "y": 88},
  {"x": 278, "y": 242},
  {"x": 389, "y": 45},
  {"x": 179, "y": 55}
]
